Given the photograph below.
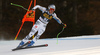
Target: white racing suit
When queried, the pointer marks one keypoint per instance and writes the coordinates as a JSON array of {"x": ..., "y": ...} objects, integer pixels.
[{"x": 41, "y": 23}]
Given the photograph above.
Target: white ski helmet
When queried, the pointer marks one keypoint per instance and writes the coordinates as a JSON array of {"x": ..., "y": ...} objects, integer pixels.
[{"x": 52, "y": 6}]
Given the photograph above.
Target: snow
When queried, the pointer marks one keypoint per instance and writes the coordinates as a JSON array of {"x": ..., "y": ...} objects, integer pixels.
[{"x": 80, "y": 45}]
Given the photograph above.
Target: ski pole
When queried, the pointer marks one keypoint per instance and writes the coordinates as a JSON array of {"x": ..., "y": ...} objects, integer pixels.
[
  {"x": 61, "y": 32},
  {"x": 19, "y": 6}
]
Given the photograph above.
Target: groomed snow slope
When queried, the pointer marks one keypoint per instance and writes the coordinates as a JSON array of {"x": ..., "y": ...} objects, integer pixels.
[{"x": 81, "y": 45}]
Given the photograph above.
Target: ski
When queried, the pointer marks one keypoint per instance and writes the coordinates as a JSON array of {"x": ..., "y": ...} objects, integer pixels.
[
  {"x": 21, "y": 46},
  {"x": 44, "y": 45}
]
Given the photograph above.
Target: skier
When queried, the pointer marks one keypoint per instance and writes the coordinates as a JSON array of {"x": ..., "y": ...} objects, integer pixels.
[{"x": 41, "y": 23}]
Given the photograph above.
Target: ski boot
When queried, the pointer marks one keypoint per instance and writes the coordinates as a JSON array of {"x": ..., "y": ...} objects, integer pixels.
[
  {"x": 21, "y": 43},
  {"x": 31, "y": 43}
]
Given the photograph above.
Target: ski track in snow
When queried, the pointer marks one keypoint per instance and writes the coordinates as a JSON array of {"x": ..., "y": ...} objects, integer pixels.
[{"x": 81, "y": 45}]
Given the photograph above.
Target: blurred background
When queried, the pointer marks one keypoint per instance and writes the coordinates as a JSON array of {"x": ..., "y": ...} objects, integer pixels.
[{"x": 81, "y": 16}]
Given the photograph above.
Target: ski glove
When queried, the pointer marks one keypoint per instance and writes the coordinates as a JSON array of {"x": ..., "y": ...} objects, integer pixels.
[
  {"x": 64, "y": 25},
  {"x": 33, "y": 9}
]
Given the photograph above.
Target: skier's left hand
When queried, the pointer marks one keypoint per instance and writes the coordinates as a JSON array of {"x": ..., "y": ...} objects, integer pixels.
[{"x": 64, "y": 25}]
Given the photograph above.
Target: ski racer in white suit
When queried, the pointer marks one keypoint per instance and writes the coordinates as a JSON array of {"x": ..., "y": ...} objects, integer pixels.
[{"x": 41, "y": 23}]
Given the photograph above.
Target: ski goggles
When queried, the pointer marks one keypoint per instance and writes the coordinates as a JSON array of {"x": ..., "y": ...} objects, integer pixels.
[{"x": 52, "y": 9}]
